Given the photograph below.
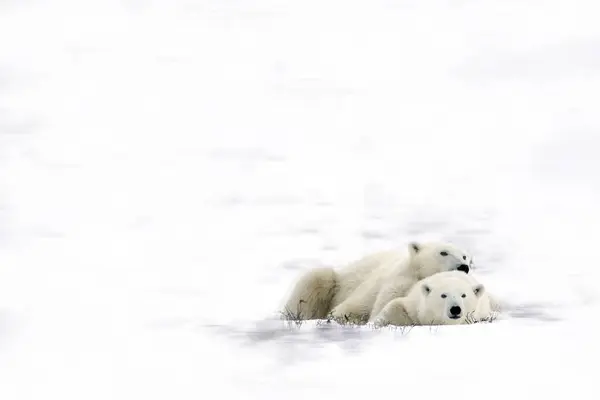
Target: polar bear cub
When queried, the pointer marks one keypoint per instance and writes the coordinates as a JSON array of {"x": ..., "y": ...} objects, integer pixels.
[
  {"x": 445, "y": 298},
  {"x": 361, "y": 289}
]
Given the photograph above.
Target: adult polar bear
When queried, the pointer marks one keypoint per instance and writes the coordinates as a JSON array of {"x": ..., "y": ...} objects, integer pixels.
[{"x": 361, "y": 289}]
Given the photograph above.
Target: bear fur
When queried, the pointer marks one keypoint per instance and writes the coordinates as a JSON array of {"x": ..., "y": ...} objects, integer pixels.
[
  {"x": 361, "y": 289},
  {"x": 445, "y": 298}
]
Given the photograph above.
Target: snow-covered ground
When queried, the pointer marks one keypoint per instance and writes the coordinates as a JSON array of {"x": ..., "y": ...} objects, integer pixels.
[{"x": 168, "y": 168}]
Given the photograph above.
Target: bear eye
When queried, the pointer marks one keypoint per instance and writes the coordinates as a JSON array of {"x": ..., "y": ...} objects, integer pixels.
[
  {"x": 463, "y": 295},
  {"x": 443, "y": 296},
  {"x": 444, "y": 253},
  {"x": 464, "y": 257}
]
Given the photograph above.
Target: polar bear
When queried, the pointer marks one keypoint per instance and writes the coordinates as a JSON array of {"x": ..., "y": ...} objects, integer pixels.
[
  {"x": 445, "y": 298},
  {"x": 362, "y": 288}
]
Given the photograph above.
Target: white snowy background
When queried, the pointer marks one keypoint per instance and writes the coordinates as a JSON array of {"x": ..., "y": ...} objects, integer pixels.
[{"x": 168, "y": 168}]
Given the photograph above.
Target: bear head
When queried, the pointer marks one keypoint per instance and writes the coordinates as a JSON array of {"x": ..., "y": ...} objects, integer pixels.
[
  {"x": 430, "y": 258},
  {"x": 448, "y": 298}
]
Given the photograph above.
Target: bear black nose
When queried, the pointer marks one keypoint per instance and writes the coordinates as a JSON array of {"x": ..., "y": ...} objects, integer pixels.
[
  {"x": 455, "y": 310},
  {"x": 464, "y": 268}
]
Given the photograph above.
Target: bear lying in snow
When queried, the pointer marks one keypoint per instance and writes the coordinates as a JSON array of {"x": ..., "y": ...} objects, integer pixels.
[
  {"x": 360, "y": 290},
  {"x": 445, "y": 298}
]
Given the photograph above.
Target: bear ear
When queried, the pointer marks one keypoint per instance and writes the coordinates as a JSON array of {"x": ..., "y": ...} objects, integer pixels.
[
  {"x": 478, "y": 290},
  {"x": 426, "y": 289},
  {"x": 414, "y": 248}
]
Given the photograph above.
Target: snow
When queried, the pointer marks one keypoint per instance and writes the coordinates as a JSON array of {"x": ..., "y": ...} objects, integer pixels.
[{"x": 168, "y": 168}]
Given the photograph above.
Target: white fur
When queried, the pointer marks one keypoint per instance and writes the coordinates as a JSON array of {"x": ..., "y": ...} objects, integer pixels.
[
  {"x": 431, "y": 300},
  {"x": 361, "y": 289}
]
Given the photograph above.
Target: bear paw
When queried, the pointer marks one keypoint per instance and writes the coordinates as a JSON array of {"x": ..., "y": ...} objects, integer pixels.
[{"x": 344, "y": 316}]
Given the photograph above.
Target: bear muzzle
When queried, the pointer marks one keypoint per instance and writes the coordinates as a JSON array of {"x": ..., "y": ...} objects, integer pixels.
[
  {"x": 455, "y": 312},
  {"x": 463, "y": 267}
]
